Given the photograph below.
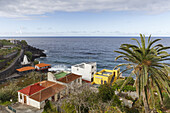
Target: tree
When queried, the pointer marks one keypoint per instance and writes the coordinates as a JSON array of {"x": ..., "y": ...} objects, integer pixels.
[
  {"x": 29, "y": 54},
  {"x": 23, "y": 42},
  {"x": 106, "y": 92},
  {"x": 36, "y": 62},
  {"x": 49, "y": 108},
  {"x": 147, "y": 64}
]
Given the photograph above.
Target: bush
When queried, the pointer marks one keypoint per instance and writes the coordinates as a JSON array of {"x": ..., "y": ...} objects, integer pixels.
[
  {"x": 129, "y": 88},
  {"x": 36, "y": 62},
  {"x": 106, "y": 92},
  {"x": 29, "y": 54},
  {"x": 130, "y": 81},
  {"x": 49, "y": 108},
  {"x": 9, "y": 92},
  {"x": 23, "y": 42}
]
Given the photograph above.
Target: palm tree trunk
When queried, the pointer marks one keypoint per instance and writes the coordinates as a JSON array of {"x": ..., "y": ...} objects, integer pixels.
[{"x": 146, "y": 106}]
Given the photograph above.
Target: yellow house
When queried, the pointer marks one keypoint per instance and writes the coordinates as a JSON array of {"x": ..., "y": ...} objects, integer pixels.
[{"x": 105, "y": 76}]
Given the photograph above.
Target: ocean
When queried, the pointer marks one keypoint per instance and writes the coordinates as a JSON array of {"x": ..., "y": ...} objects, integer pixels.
[{"x": 69, "y": 51}]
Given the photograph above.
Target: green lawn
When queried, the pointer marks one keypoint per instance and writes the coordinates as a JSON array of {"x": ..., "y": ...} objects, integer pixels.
[{"x": 60, "y": 75}]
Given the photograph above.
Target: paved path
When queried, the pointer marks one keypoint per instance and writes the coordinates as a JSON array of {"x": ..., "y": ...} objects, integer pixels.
[
  {"x": 22, "y": 108},
  {"x": 13, "y": 76},
  {"x": 3, "y": 109}
]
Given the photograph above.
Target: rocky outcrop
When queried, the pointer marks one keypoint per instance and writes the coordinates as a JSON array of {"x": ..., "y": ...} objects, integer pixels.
[{"x": 36, "y": 53}]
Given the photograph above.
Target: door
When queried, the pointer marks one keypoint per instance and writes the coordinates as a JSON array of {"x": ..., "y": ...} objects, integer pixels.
[
  {"x": 53, "y": 99},
  {"x": 101, "y": 81},
  {"x": 25, "y": 99}
]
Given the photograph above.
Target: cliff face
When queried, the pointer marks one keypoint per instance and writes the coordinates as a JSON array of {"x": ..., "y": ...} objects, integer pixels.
[{"x": 36, "y": 53}]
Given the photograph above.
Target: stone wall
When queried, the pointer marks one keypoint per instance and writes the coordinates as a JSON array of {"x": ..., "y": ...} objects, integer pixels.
[
  {"x": 8, "y": 58},
  {"x": 13, "y": 66}
]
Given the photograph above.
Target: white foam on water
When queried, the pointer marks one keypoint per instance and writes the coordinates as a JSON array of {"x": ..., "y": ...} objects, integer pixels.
[{"x": 61, "y": 67}]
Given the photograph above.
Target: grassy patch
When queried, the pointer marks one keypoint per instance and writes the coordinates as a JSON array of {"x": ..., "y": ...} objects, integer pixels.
[{"x": 5, "y": 103}]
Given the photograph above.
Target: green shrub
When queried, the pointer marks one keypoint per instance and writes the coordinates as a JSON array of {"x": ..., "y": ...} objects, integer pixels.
[
  {"x": 106, "y": 92},
  {"x": 29, "y": 54},
  {"x": 9, "y": 92},
  {"x": 49, "y": 108},
  {"x": 23, "y": 42},
  {"x": 36, "y": 62}
]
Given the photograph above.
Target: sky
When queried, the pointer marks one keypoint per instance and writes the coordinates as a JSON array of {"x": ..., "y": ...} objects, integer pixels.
[{"x": 84, "y": 17}]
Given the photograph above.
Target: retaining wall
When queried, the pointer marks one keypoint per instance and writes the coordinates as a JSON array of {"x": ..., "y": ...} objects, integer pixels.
[{"x": 13, "y": 66}]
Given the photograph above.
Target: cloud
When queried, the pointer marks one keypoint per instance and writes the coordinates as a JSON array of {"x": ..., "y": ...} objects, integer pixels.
[{"x": 26, "y": 8}]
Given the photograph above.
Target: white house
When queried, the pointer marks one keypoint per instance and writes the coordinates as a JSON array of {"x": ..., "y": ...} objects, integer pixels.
[
  {"x": 42, "y": 66},
  {"x": 72, "y": 81},
  {"x": 37, "y": 94},
  {"x": 85, "y": 69},
  {"x": 13, "y": 41}
]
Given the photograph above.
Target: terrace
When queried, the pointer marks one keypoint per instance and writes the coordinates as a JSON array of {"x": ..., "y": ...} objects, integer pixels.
[
  {"x": 104, "y": 73},
  {"x": 60, "y": 75}
]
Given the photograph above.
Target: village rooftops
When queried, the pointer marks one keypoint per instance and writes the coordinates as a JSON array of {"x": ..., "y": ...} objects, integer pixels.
[
  {"x": 29, "y": 90},
  {"x": 42, "y": 65},
  {"x": 42, "y": 90},
  {"x": 28, "y": 68},
  {"x": 60, "y": 75},
  {"x": 47, "y": 92},
  {"x": 69, "y": 78}
]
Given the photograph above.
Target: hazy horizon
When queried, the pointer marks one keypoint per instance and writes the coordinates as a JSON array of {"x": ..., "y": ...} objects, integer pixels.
[{"x": 84, "y": 17}]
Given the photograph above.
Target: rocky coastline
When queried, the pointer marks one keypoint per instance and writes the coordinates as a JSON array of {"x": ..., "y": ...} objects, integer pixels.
[
  {"x": 15, "y": 61},
  {"x": 36, "y": 52}
]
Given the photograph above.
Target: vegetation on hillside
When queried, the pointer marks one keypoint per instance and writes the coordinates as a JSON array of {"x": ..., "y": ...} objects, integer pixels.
[
  {"x": 87, "y": 100},
  {"x": 8, "y": 51},
  {"x": 29, "y": 54},
  {"x": 23, "y": 42},
  {"x": 9, "y": 89},
  {"x": 6, "y": 42}
]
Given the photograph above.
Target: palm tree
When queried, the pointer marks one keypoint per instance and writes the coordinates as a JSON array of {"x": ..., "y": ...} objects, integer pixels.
[{"x": 146, "y": 62}]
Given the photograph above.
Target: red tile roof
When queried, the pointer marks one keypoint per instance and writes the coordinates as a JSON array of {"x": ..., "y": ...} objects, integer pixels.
[
  {"x": 48, "y": 92},
  {"x": 69, "y": 78},
  {"x": 86, "y": 81},
  {"x": 29, "y": 90},
  {"x": 25, "y": 68},
  {"x": 42, "y": 65}
]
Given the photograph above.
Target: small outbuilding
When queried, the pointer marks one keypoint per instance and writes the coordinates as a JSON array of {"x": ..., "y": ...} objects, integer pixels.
[{"x": 42, "y": 66}]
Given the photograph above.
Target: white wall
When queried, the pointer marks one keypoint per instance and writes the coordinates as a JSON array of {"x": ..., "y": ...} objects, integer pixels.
[
  {"x": 86, "y": 72},
  {"x": 34, "y": 103},
  {"x": 30, "y": 101},
  {"x": 36, "y": 67},
  {"x": 51, "y": 77}
]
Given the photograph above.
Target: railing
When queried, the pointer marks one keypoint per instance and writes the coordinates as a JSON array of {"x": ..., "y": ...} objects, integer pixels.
[{"x": 10, "y": 108}]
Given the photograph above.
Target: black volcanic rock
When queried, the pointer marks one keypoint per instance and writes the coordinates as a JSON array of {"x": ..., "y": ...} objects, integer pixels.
[{"x": 36, "y": 53}]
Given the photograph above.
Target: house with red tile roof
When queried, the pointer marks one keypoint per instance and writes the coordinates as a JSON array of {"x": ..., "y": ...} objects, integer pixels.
[
  {"x": 35, "y": 95},
  {"x": 71, "y": 80},
  {"x": 42, "y": 66}
]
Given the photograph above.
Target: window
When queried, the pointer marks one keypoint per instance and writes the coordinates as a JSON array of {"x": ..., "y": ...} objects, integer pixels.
[
  {"x": 92, "y": 67},
  {"x": 92, "y": 73},
  {"x": 20, "y": 96}
]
